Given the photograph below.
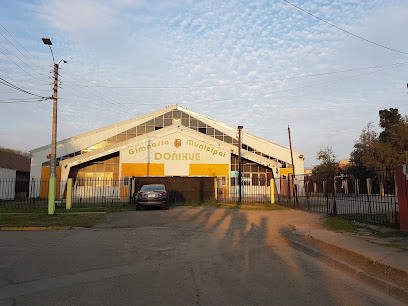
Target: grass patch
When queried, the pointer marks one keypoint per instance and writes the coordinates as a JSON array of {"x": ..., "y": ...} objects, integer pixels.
[
  {"x": 386, "y": 234},
  {"x": 43, "y": 219},
  {"x": 337, "y": 224},
  {"x": 62, "y": 210}
]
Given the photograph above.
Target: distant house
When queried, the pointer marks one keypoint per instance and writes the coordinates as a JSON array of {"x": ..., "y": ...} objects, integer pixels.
[{"x": 14, "y": 175}]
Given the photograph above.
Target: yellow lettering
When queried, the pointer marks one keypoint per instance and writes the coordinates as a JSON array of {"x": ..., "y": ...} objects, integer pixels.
[
  {"x": 157, "y": 156},
  {"x": 166, "y": 156},
  {"x": 131, "y": 151}
]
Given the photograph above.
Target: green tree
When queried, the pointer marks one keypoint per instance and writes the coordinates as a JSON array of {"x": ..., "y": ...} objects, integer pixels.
[
  {"x": 327, "y": 160},
  {"x": 386, "y": 148}
]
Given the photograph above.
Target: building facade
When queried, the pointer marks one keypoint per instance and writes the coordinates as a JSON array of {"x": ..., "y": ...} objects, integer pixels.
[{"x": 170, "y": 142}]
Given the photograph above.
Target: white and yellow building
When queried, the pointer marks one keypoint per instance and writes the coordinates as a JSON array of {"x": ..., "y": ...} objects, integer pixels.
[{"x": 170, "y": 142}]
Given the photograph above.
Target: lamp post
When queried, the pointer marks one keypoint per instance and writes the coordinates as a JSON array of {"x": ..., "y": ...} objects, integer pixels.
[
  {"x": 53, "y": 168},
  {"x": 240, "y": 127}
]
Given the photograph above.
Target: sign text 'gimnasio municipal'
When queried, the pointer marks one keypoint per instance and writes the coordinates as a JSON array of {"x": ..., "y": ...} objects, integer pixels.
[{"x": 176, "y": 155}]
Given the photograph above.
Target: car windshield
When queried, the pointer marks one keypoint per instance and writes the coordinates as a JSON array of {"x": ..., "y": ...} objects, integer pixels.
[{"x": 152, "y": 188}]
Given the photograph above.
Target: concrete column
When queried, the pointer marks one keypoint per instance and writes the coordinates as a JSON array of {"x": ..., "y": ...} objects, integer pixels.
[
  {"x": 402, "y": 181},
  {"x": 272, "y": 183},
  {"x": 69, "y": 194}
]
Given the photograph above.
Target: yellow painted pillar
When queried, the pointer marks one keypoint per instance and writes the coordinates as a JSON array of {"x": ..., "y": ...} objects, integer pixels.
[
  {"x": 133, "y": 187},
  {"x": 215, "y": 188},
  {"x": 272, "y": 191},
  {"x": 69, "y": 194}
]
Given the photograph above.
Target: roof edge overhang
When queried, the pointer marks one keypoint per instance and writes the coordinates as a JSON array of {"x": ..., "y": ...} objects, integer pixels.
[{"x": 140, "y": 118}]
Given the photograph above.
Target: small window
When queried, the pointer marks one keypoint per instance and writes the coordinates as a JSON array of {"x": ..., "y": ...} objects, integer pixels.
[
  {"x": 157, "y": 128},
  {"x": 126, "y": 181},
  {"x": 202, "y": 130},
  {"x": 223, "y": 181},
  {"x": 262, "y": 179},
  {"x": 255, "y": 180}
]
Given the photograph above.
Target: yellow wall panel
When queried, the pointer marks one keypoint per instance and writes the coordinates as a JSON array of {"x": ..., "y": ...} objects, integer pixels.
[
  {"x": 209, "y": 169},
  {"x": 142, "y": 169},
  {"x": 285, "y": 171}
]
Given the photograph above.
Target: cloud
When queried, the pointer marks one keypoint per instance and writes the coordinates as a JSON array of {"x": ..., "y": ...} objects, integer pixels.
[{"x": 192, "y": 43}]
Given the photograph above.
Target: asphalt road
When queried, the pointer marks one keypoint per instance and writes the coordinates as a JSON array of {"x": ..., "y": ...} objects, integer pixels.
[{"x": 183, "y": 256}]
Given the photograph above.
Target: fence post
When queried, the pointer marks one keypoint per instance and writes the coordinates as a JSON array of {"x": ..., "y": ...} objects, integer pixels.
[
  {"x": 368, "y": 186},
  {"x": 402, "y": 181},
  {"x": 131, "y": 189},
  {"x": 68, "y": 202},
  {"x": 272, "y": 185}
]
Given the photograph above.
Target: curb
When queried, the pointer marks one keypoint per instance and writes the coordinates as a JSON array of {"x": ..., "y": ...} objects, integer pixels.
[
  {"x": 381, "y": 285},
  {"x": 39, "y": 228}
]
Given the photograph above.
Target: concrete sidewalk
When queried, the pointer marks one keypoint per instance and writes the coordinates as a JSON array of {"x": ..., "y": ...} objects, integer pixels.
[
  {"x": 389, "y": 251},
  {"x": 384, "y": 253}
]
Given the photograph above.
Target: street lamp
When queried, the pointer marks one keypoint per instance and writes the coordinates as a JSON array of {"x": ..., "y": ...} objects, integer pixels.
[
  {"x": 53, "y": 168},
  {"x": 240, "y": 127}
]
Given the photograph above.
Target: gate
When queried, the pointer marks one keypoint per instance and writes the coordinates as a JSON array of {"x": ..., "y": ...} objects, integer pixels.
[
  {"x": 181, "y": 189},
  {"x": 253, "y": 189}
]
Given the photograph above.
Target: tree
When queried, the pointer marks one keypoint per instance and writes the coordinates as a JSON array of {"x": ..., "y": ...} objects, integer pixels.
[
  {"x": 19, "y": 152},
  {"x": 327, "y": 161},
  {"x": 386, "y": 148}
]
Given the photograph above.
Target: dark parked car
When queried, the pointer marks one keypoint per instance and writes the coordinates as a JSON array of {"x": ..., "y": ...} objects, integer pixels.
[{"x": 152, "y": 195}]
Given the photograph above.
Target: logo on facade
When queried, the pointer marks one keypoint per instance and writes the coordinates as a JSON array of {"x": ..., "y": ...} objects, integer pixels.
[{"x": 177, "y": 143}]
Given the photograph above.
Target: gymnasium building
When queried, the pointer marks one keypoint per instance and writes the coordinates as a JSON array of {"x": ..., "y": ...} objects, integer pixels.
[{"x": 172, "y": 142}]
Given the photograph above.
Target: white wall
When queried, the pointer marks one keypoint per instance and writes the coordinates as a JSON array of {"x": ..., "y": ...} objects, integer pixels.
[{"x": 7, "y": 184}]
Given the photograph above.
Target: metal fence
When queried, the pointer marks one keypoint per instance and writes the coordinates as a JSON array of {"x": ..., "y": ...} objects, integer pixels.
[
  {"x": 86, "y": 193},
  {"x": 252, "y": 190},
  {"x": 362, "y": 195}
]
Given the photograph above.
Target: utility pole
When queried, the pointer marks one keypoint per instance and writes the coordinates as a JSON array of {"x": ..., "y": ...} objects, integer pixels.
[
  {"x": 240, "y": 127},
  {"x": 53, "y": 167},
  {"x": 293, "y": 166},
  {"x": 291, "y": 153}
]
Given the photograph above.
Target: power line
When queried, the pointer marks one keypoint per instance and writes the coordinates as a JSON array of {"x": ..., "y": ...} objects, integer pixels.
[
  {"x": 345, "y": 31},
  {"x": 80, "y": 78},
  {"x": 7, "y": 83},
  {"x": 24, "y": 48},
  {"x": 19, "y": 57},
  {"x": 14, "y": 101},
  {"x": 245, "y": 83},
  {"x": 18, "y": 64},
  {"x": 290, "y": 89}
]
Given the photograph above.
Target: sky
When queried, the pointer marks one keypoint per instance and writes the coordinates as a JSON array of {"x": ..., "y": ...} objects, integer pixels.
[{"x": 265, "y": 65}]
